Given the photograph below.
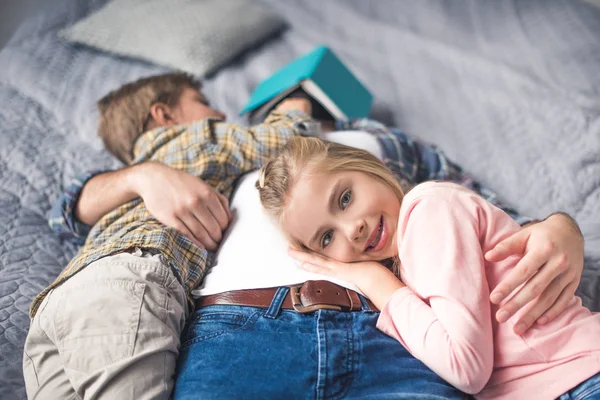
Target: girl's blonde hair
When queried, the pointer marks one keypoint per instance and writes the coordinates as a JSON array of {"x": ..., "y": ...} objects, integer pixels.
[{"x": 306, "y": 155}]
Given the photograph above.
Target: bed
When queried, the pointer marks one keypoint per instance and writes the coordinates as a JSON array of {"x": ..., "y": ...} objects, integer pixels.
[{"x": 510, "y": 90}]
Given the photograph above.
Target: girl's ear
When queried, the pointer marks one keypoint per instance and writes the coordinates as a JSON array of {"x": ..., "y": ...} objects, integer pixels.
[{"x": 161, "y": 114}]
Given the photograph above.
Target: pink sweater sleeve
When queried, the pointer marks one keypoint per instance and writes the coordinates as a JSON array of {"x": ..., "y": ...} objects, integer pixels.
[{"x": 443, "y": 315}]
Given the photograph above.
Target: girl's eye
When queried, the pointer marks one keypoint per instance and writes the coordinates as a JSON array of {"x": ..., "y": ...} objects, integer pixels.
[
  {"x": 326, "y": 239},
  {"x": 345, "y": 199}
]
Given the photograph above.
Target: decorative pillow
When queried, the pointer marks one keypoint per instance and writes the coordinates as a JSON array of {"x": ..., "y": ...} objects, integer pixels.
[{"x": 195, "y": 36}]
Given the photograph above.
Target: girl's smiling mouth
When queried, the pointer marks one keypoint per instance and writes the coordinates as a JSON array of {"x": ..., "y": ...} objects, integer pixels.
[{"x": 378, "y": 238}]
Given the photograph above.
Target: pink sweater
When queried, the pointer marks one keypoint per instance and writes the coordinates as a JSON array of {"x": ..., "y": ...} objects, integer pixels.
[{"x": 444, "y": 317}]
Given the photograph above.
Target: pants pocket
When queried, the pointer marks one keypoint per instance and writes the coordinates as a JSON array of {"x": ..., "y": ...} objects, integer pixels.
[
  {"x": 96, "y": 323},
  {"x": 211, "y": 324}
]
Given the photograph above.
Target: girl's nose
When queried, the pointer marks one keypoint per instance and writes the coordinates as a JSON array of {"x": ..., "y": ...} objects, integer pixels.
[{"x": 357, "y": 231}]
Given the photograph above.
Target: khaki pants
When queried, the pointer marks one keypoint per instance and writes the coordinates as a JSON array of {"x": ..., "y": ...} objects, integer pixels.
[{"x": 109, "y": 332}]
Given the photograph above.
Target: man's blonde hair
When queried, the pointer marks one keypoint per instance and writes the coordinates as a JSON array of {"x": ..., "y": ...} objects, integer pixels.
[
  {"x": 125, "y": 112},
  {"x": 303, "y": 155}
]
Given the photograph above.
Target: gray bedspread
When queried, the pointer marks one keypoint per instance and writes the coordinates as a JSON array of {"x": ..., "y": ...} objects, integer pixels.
[{"x": 509, "y": 89}]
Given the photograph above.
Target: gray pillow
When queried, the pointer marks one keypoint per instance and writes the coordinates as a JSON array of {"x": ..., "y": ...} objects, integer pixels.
[{"x": 195, "y": 36}]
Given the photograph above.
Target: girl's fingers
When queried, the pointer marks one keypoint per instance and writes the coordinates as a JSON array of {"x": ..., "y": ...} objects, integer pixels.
[
  {"x": 308, "y": 257},
  {"x": 298, "y": 254},
  {"x": 315, "y": 269},
  {"x": 315, "y": 263}
]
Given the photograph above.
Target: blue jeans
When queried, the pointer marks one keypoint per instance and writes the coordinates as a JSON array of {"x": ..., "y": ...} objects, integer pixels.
[
  {"x": 588, "y": 390},
  {"x": 231, "y": 352}
]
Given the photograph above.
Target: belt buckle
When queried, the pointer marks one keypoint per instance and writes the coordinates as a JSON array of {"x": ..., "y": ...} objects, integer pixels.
[{"x": 302, "y": 309}]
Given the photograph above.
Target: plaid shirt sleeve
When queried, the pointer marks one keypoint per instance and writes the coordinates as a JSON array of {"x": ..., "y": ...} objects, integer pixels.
[
  {"x": 277, "y": 128},
  {"x": 416, "y": 161},
  {"x": 62, "y": 218}
]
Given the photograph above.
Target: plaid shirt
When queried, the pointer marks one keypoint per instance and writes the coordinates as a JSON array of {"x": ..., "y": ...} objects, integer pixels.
[
  {"x": 217, "y": 152},
  {"x": 235, "y": 152}
]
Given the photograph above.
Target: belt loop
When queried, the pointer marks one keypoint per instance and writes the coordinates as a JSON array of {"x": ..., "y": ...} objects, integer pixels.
[
  {"x": 364, "y": 304},
  {"x": 277, "y": 302}
]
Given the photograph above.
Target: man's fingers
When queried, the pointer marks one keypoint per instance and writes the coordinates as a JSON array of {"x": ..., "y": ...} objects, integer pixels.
[
  {"x": 180, "y": 226},
  {"x": 539, "y": 306},
  {"x": 225, "y": 203},
  {"x": 560, "y": 304},
  {"x": 207, "y": 220},
  {"x": 539, "y": 284},
  {"x": 525, "y": 269},
  {"x": 199, "y": 231},
  {"x": 514, "y": 244},
  {"x": 219, "y": 213}
]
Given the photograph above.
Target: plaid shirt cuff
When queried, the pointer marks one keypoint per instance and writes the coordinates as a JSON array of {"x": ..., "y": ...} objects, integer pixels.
[
  {"x": 303, "y": 123},
  {"x": 62, "y": 218}
]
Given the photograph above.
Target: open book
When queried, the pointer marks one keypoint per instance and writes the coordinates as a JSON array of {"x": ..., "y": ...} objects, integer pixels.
[{"x": 320, "y": 75}]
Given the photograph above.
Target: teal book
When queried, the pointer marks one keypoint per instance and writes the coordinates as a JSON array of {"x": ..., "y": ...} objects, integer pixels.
[{"x": 323, "y": 77}]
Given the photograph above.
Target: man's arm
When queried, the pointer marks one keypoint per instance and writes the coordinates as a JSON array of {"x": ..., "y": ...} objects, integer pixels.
[
  {"x": 552, "y": 249},
  {"x": 62, "y": 218},
  {"x": 175, "y": 198},
  {"x": 104, "y": 192},
  {"x": 550, "y": 270}
]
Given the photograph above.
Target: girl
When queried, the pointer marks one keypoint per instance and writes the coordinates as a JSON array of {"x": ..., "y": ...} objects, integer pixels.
[{"x": 344, "y": 205}]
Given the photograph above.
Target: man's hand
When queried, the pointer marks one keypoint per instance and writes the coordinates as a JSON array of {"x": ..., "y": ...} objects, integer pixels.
[
  {"x": 182, "y": 201},
  {"x": 295, "y": 104},
  {"x": 551, "y": 268}
]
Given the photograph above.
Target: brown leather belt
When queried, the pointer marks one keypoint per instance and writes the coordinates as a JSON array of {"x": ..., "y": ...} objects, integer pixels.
[{"x": 307, "y": 297}]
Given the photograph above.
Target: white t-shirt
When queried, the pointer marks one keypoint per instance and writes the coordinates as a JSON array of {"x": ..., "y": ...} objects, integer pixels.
[{"x": 253, "y": 253}]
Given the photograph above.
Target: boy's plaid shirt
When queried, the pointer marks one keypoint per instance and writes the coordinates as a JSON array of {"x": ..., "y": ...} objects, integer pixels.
[
  {"x": 220, "y": 153},
  {"x": 216, "y": 152}
]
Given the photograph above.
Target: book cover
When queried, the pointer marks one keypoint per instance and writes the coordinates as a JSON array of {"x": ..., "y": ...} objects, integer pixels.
[{"x": 320, "y": 74}]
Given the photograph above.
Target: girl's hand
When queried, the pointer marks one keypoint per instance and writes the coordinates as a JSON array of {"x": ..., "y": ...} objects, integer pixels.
[
  {"x": 372, "y": 278},
  {"x": 551, "y": 266}
]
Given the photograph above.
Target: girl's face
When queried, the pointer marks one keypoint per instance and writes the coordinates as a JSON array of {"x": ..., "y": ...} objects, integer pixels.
[{"x": 347, "y": 216}]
